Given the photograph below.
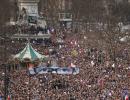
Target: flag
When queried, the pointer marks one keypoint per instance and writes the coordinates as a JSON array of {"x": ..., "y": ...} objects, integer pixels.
[
  {"x": 72, "y": 65},
  {"x": 126, "y": 97},
  {"x": 31, "y": 65},
  {"x": 31, "y": 69},
  {"x": 74, "y": 53},
  {"x": 9, "y": 97},
  {"x": 113, "y": 65},
  {"x": 125, "y": 94},
  {"x": 92, "y": 63},
  {"x": 0, "y": 97}
]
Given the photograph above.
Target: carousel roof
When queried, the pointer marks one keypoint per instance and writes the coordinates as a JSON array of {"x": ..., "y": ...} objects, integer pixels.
[{"x": 29, "y": 53}]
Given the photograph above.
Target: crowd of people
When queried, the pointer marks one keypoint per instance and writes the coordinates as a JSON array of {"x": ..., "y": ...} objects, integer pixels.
[
  {"x": 102, "y": 76},
  {"x": 33, "y": 29},
  {"x": 29, "y": 29}
]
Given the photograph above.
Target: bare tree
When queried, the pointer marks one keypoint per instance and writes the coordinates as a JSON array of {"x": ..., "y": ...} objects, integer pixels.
[
  {"x": 5, "y": 9},
  {"x": 50, "y": 9}
]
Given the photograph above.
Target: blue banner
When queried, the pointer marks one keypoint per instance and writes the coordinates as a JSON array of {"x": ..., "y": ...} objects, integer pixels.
[
  {"x": 57, "y": 70},
  {"x": 0, "y": 97}
]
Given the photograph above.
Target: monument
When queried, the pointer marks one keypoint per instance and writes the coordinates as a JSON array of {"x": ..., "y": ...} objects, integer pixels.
[
  {"x": 28, "y": 16},
  {"x": 30, "y": 6},
  {"x": 28, "y": 11}
]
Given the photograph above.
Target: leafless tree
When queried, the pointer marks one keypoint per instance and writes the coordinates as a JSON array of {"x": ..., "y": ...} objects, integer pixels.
[
  {"x": 50, "y": 9},
  {"x": 5, "y": 9}
]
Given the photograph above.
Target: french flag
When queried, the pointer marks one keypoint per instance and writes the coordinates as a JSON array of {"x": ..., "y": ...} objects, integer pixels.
[
  {"x": 126, "y": 97},
  {"x": 9, "y": 97},
  {"x": 0, "y": 97}
]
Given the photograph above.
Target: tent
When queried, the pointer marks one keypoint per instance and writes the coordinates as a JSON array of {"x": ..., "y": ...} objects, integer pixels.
[{"x": 29, "y": 53}]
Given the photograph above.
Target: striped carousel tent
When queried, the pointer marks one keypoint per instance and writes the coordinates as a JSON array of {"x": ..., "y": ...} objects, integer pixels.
[{"x": 29, "y": 53}]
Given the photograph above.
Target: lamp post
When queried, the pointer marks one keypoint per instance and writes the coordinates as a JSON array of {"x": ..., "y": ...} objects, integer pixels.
[
  {"x": 29, "y": 97},
  {"x": 5, "y": 70},
  {"x": 5, "y": 82},
  {"x": 6, "y": 77}
]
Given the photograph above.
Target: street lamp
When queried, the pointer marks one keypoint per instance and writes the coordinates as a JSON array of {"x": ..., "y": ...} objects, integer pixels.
[
  {"x": 6, "y": 82},
  {"x": 6, "y": 76}
]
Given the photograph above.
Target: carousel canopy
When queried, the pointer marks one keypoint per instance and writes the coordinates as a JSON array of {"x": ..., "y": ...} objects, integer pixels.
[{"x": 29, "y": 53}]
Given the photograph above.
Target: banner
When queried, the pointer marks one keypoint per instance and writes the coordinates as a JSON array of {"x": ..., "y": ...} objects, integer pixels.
[
  {"x": 0, "y": 97},
  {"x": 125, "y": 94},
  {"x": 57, "y": 70}
]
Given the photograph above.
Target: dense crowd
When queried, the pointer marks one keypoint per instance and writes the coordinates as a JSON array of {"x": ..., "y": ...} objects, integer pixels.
[
  {"x": 102, "y": 76},
  {"x": 28, "y": 29}
]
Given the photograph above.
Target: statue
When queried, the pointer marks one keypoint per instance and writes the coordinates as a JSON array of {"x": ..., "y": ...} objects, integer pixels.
[{"x": 23, "y": 14}]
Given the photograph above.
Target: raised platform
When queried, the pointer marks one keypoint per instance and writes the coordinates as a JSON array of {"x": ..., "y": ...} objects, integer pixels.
[
  {"x": 26, "y": 36},
  {"x": 30, "y": 1}
]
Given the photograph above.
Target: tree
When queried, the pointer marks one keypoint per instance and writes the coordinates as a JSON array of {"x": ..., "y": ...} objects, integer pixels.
[
  {"x": 122, "y": 12},
  {"x": 5, "y": 9},
  {"x": 50, "y": 8},
  {"x": 91, "y": 10}
]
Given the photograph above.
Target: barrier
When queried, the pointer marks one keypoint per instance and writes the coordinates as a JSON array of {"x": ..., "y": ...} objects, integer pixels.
[{"x": 54, "y": 70}]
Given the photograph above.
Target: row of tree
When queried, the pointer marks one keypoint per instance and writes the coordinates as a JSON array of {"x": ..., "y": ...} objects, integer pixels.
[{"x": 89, "y": 10}]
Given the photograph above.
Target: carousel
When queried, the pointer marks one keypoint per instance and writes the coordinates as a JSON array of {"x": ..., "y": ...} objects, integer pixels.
[
  {"x": 28, "y": 56},
  {"x": 28, "y": 53},
  {"x": 30, "y": 59}
]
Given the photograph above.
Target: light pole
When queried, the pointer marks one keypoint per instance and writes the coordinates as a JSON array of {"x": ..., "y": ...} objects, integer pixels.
[
  {"x": 5, "y": 71},
  {"x": 5, "y": 82},
  {"x": 6, "y": 77}
]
